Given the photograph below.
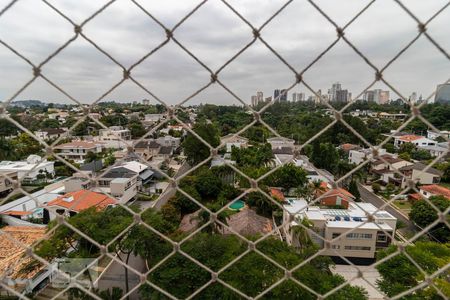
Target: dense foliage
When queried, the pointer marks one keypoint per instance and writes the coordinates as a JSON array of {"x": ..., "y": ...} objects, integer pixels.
[{"x": 399, "y": 274}]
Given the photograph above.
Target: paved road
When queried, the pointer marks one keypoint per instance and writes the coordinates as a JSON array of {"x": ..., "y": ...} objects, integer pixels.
[{"x": 370, "y": 197}]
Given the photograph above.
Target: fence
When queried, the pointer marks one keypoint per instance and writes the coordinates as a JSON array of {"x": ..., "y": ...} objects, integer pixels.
[{"x": 38, "y": 71}]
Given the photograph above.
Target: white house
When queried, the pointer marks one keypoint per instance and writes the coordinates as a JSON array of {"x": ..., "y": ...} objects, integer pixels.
[
  {"x": 30, "y": 168},
  {"x": 77, "y": 150},
  {"x": 416, "y": 140},
  {"x": 49, "y": 133},
  {"x": 234, "y": 141},
  {"x": 281, "y": 142},
  {"x": 433, "y": 135}
]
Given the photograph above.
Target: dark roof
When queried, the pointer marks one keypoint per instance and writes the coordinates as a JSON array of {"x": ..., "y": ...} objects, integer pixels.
[
  {"x": 119, "y": 172},
  {"x": 93, "y": 166},
  {"x": 166, "y": 150},
  {"x": 282, "y": 150},
  {"x": 153, "y": 145},
  {"x": 420, "y": 166}
]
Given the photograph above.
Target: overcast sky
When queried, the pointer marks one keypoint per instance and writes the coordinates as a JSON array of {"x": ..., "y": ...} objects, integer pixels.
[{"x": 214, "y": 33}]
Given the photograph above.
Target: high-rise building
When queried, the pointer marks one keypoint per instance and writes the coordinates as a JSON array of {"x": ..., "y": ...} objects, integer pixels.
[
  {"x": 383, "y": 97},
  {"x": 442, "y": 93},
  {"x": 335, "y": 87},
  {"x": 377, "y": 95},
  {"x": 297, "y": 97},
  {"x": 259, "y": 97},
  {"x": 254, "y": 100},
  {"x": 342, "y": 96},
  {"x": 280, "y": 95}
]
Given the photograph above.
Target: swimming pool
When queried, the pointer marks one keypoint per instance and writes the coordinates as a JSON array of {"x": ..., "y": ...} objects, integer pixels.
[{"x": 237, "y": 205}]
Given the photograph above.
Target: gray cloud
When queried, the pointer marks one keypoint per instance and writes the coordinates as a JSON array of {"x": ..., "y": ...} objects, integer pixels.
[{"x": 214, "y": 34}]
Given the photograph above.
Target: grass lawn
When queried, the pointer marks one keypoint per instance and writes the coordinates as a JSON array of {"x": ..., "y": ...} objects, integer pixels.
[{"x": 403, "y": 205}]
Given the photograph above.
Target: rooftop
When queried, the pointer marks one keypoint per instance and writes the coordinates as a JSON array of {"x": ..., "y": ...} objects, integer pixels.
[
  {"x": 77, "y": 144},
  {"x": 436, "y": 190},
  {"x": 11, "y": 254},
  {"x": 410, "y": 137},
  {"x": 81, "y": 200}
]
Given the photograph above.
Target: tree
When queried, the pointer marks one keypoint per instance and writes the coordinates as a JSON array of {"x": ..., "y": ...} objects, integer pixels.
[
  {"x": 288, "y": 176},
  {"x": 400, "y": 274},
  {"x": 91, "y": 156},
  {"x": 194, "y": 149},
  {"x": 353, "y": 189},
  {"x": 208, "y": 184},
  {"x": 423, "y": 214},
  {"x": 376, "y": 187},
  {"x": 251, "y": 274},
  {"x": 325, "y": 156},
  {"x": 136, "y": 129}
]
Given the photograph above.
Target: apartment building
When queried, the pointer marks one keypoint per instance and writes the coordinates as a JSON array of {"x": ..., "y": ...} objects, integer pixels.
[
  {"x": 77, "y": 150},
  {"x": 366, "y": 236}
]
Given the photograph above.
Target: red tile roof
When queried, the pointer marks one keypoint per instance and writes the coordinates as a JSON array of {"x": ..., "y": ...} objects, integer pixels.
[
  {"x": 436, "y": 190},
  {"x": 17, "y": 213},
  {"x": 410, "y": 137},
  {"x": 81, "y": 200},
  {"x": 277, "y": 194}
]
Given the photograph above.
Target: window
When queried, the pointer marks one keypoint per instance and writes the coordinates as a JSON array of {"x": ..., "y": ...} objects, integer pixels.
[
  {"x": 381, "y": 238},
  {"x": 357, "y": 248},
  {"x": 335, "y": 235},
  {"x": 364, "y": 236},
  {"x": 335, "y": 247}
]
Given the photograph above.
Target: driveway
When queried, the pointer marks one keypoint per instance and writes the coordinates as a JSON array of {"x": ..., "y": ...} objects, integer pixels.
[{"x": 368, "y": 281}]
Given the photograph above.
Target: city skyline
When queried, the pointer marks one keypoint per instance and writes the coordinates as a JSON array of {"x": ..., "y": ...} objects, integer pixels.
[{"x": 172, "y": 75}]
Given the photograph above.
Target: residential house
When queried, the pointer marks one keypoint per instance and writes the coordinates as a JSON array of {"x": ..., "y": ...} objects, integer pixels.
[
  {"x": 168, "y": 141},
  {"x": 77, "y": 150},
  {"x": 433, "y": 135},
  {"x": 358, "y": 156},
  {"x": 114, "y": 133},
  {"x": 280, "y": 142},
  {"x": 234, "y": 141},
  {"x": 49, "y": 133},
  {"x": 416, "y": 140},
  {"x": 334, "y": 197},
  {"x": 30, "y": 169},
  {"x": 439, "y": 150},
  {"x": 153, "y": 118},
  {"x": 72, "y": 203},
  {"x": 388, "y": 167},
  {"x": 419, "y": 175},
  {"x": 367, "y": 237},
  {"x": 147, "y": 149},
  {"x": 348, "y": 147},
  {"x": 165, "y": 152},
  {"x": 430, "y": 190}
]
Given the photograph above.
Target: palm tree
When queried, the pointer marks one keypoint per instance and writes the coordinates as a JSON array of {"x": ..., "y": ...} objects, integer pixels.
[{"x": 301, "y": 235}]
